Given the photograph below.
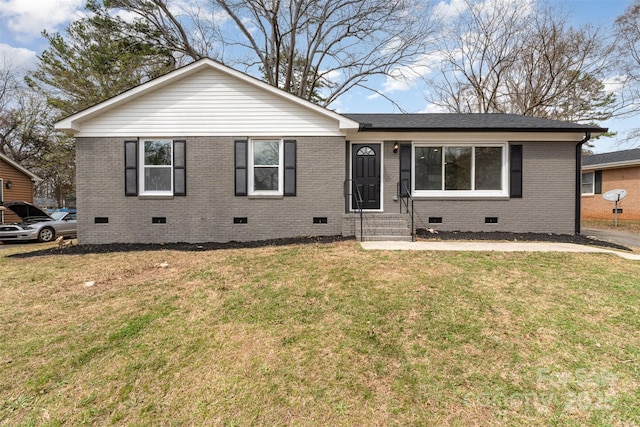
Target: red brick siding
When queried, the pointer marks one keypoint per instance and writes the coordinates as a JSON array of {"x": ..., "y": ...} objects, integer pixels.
[{"x": 595, "y": 207}]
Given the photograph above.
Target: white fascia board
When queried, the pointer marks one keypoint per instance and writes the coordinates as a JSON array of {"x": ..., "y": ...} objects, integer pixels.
[
  {"x": 72, "y": 124},
  {"x": 529, "y": 136}
]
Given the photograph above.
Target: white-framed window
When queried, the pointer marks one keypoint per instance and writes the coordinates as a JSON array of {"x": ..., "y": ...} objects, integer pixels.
[
  {"x": 156, "y": 172},
  {"x": 266, "y": 171},
  {"x": 588, "y": 183},
  {"x": 460, "y": 170}
]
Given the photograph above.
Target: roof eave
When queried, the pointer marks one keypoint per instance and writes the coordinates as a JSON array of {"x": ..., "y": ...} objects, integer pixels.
[
  {"x": 612, "y": 165},
  {"x": 67, "y": 126},
  {"x": 593, "y": 132},
  {"x": 72, "y": 124}
]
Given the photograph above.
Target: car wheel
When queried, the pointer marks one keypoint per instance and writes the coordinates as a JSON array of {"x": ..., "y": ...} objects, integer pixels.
[{"x": 46, "y": 235}]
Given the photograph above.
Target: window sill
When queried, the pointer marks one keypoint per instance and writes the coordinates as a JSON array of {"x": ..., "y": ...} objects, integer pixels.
[
  {"x": 154, "y": 197},
  {"x": 460, "y": 198},
  {"x": 265, "y": 196}
]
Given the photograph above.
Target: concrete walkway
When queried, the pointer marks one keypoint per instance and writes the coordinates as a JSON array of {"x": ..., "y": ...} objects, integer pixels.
[{"x": 479, "y": 246}]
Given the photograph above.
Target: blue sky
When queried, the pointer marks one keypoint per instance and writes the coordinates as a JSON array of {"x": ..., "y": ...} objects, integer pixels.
[{"x": 21, "y": 22}]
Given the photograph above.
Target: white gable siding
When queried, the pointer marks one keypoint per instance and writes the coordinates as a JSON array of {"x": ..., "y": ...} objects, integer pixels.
[{"x": 209, "y": 103}]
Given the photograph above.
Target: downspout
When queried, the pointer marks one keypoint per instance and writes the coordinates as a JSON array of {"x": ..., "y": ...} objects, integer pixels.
[{"x": 578, "y": 214}]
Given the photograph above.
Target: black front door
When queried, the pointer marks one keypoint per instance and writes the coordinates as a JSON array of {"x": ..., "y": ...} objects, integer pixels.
[{"x": 366, "y": 175}]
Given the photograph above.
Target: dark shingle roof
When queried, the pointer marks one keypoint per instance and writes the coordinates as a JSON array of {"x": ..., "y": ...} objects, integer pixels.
[
  {"x": 465, "y": 122},
  {"x": 613, "y": 157}
]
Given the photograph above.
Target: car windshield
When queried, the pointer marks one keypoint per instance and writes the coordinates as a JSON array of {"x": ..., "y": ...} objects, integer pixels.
[{"x": 58, "y": 215}]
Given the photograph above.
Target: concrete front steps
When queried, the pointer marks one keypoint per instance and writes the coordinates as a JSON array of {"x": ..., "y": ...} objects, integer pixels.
[{"x": 382, "y": 227}]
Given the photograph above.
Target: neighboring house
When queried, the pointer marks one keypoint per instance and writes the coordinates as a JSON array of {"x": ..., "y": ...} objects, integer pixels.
[
  {"x": 16, "y": 183},
  {"x": 206, "y": 153},
  {"x": 611, "y": 171}
]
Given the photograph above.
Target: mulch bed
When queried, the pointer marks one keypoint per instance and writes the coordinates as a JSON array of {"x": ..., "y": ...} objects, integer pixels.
[
  {"x": 180, "y": 246},
  {"x": 210, "y": 246}
]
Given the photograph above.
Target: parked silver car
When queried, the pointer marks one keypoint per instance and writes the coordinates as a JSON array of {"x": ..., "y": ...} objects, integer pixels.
[{"x": 37, "y": 224}]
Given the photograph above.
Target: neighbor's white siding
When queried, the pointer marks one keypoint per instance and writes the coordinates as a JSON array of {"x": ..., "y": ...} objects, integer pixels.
[{"x": 212, "y": 104}]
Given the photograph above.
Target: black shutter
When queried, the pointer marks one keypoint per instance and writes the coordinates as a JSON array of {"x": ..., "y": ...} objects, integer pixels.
[
  {"x": 597, "y": 179},
  {"x": 289, "y": 167},
  {"x": 241, "y": 167},
  {"x": 179, "y": 168},
  {"x": 405, "y": 169},
  {"x": 131, "y": 168},
  {"x": 515, "y": 168}
]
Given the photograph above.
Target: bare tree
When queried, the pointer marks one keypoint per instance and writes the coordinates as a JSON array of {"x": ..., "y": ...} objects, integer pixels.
[
  {"x": 93, "y": 61},
  {"x": 305, "y": 45},
  {"x": 24, "y": 132},
  {"x": 627, "y": 28},
  {"x": 187, "y": 30},
  {"x": 27, "y": 136},
  {"x": 525, "y": 59},
  {"x": 628, "y": 49},
  {"x": 317, "y": 50}
]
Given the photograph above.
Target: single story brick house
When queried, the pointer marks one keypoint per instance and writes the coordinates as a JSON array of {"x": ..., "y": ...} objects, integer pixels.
[
  {"x": 209, "y": 154},
  {"x": 16, "y": 183},
  {"x": 610, "y": 171}
]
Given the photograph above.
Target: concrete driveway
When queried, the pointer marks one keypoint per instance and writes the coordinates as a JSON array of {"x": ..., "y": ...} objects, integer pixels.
[{"x": 625, "y": 238}]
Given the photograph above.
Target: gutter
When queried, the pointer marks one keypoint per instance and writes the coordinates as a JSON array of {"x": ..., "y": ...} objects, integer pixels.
[
  {"x": 369, "y": 127},
  {"x": 578, "y": 204}
]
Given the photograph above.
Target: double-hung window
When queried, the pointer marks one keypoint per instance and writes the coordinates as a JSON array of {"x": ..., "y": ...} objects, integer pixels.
[
  {"x": 266, "y": 171},
  {"x": 460, "y": 170},
  {"x": 265, "y": 167},
  {"x": 155, "y": 167}
]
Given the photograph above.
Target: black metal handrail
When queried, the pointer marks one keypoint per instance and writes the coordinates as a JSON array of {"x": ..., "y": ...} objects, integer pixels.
[
  {"x": 406, "y": 200},
  {"x": 351, "y": 184}
]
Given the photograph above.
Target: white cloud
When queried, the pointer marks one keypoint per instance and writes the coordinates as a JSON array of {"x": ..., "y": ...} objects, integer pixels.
[
  {"x": 451, "y": 10},
  {"x": 616, "y": 84},
  {"x": 404, "y": 78},
  {"x": 433, "y": 108},
  {"x": 497, "y": 7},
  {"x": 126, "y": 15},
  {"x": 332, "y": 75},
  {"x": 27, "y": 18},
  {"x": 17, "y": 58}
]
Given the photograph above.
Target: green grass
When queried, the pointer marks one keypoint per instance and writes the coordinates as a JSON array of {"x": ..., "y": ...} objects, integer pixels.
[{"x": 319, "y": 335}]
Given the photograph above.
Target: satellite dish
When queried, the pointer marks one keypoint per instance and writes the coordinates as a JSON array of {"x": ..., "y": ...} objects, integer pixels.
[{"x": 615, "y": 195}]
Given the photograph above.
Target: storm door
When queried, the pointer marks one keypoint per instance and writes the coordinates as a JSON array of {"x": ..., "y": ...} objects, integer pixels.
[{"x": 365, "y": 171}]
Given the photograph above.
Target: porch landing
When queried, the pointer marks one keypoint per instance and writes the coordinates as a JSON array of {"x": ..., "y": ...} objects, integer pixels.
[{"x": 377, "y": 226}]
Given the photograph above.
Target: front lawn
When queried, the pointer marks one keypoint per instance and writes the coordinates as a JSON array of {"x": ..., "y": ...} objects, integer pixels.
[{"x": 319, "y": 334}]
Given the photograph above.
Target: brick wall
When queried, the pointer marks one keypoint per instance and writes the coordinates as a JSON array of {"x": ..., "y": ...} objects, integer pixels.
[
  {"x": 547, "y": 204},
  {"x": 206, "y": 214},
  {"x": 208, "y": 210},
  {"x": 595, "y": 207}
]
